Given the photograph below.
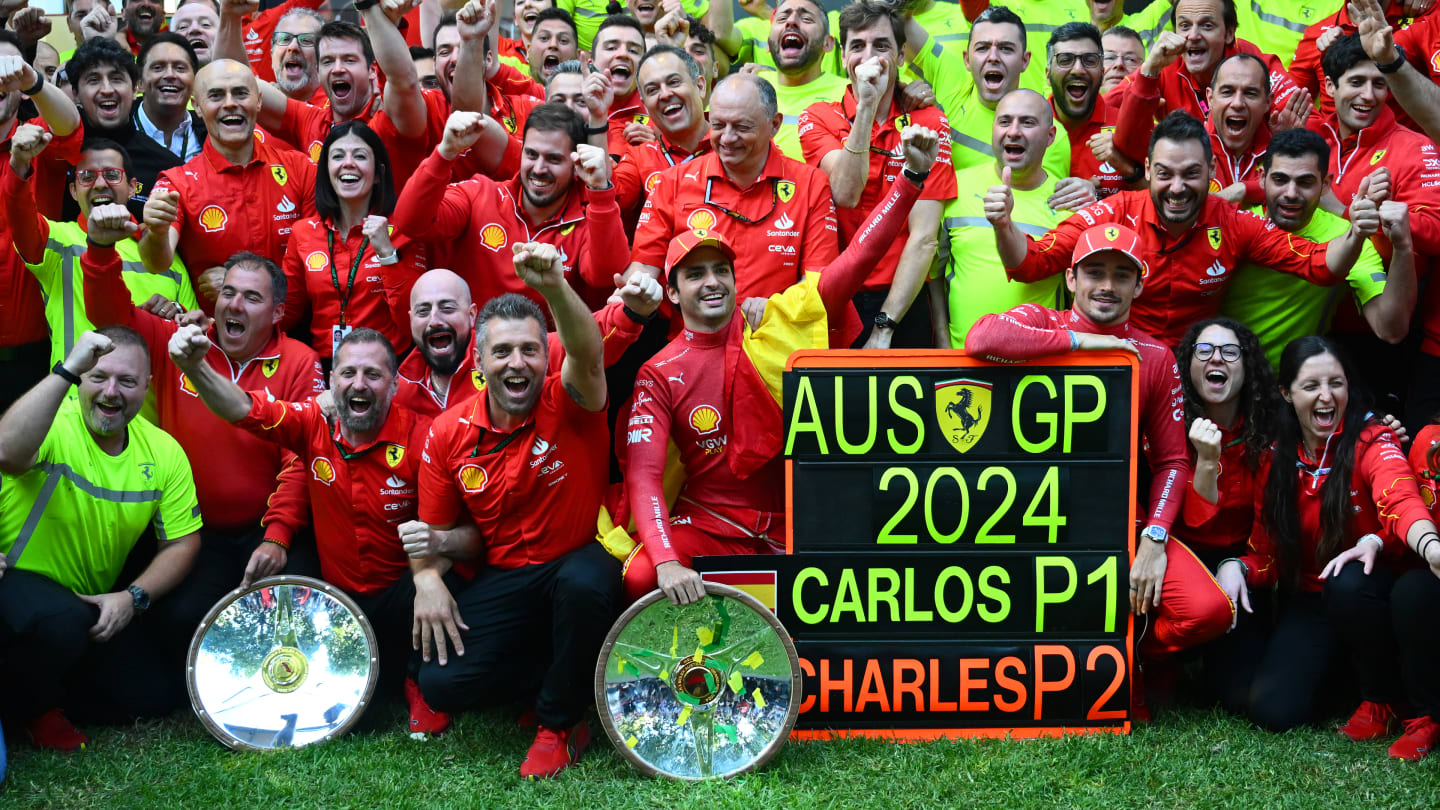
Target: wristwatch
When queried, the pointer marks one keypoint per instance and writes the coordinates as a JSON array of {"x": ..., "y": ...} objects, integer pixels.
[
  {"x": 1155, "y": 534},
  {"x": 884, "y": 321},
  {"x": 139, "y": 599},
  {"x": 1394, "y": 67},
  {"x": 65, "y": 374}
]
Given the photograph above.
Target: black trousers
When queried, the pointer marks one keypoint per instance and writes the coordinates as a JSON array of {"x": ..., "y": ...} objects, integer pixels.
[
  {"x": 1350, "y": 621},
  {"x": 551, "y": 617},
  {"x": 1415, "y": 617},
  {"x": 1423, "y": 405},
  {"x": 916, "y": 330},
  {"x": 50, "y": 662},
  {"x": 24, "y": 366}
]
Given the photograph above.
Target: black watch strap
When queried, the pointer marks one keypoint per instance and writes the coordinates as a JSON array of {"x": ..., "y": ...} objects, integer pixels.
[
  {"x": 600, "y": 130},
  {"x": 916, "y": 177},
  {"x": 39, "y": 85},
  {"x": 361, "y": 5},
  {"x": 65, "y": 374},
  {"x": 1394, "y": 67},
  {"x": 884, "y": 321}
]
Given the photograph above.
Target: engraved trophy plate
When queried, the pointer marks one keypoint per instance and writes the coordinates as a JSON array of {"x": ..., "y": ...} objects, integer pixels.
[{"x": 289, "y": 662}]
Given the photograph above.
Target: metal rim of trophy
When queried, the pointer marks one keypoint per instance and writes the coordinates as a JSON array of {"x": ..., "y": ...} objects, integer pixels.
[
  {"x": 711, "y": 589},
  {"x": 215, "y": 728}
]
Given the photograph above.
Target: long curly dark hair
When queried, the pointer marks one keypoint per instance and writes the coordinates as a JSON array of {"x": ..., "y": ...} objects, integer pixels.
[
  {"x": 1259, "y": 400},
  {"x": 1282, "y": 509}
]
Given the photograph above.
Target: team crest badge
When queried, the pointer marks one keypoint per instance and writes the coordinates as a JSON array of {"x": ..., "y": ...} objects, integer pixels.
[
  {"x": 394, "y": 454},
  {"x": 473, "y": 478},
  {"x": 642, "y": 120},
  {"x": 1112, "y": 233},
  {"x": 785, "y": 190},
  {"x": 962, "y": 407},
  {"x": 700, "y": 220},
  {"x": 477, "y": 379},
  {"x": 269, "y": 366},
  {"x": 1214, "y": 234},
  {"x": 278, "y": 172},
  {"x": 1375, "y": 158}
]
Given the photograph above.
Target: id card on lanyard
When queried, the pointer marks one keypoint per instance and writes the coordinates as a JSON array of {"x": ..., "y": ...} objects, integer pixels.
[{"x": 341, "y": 329}]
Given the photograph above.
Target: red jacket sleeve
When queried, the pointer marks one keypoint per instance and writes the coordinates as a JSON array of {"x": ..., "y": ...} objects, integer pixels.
[
  {"x": 645, "y": 466},
  {"x": 618, "y": 332},
  {"x": 842, "y": 279},
  {"x": 440, "y": 501},
  {"x": 1164, "y": 430},
  {"x": 1305, "y": 67},
  {"x": 629, "y": 185},
  {"x": 108, "y": 302},
  {"x": 1050, "y": 254},
  {"x": 431, "y": 208},
  {"x": 1266, "y": 245},
  {"x": 820, "y": 244},
  {"x": 288, "y": 509},
  {"x": 1137, "y": 105},
  {"x": 1024, "y": 333},
  {"x": 1259, "y": 557},
  {"x": 29, "y": 229},
  {"x": 818, "y": 136},
  {"x": 1392, "y": 485},
  {"x": 608, "y": 250},
  {"x": 284, "y": 423}
]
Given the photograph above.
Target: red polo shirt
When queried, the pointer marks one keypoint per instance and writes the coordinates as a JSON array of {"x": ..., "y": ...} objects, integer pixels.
[
  {"x": 1414, "y": 166},
  {"x": 533, "y": 492},
  {"x": 1083, "y": 162},
  {"x": 1239, "y": 167},
  {"x": 358, "y": 495},
  {"x": 1186, "y": 276},
  {"x": 623, "y": 113},
  {"x": 307, "y": 126},
  {"x": 825, "y": 125},
  {"x": 226, "y": 208},
  {"x": 477, "y": 221},
  {"x": 639, "y": 170},
  {"x": 235, "y": 473},
  {"x": 791, "y": 230},
  {"x": 319, "y": 263}
]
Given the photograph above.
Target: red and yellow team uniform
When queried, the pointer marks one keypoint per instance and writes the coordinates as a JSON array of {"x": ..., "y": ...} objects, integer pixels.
[
  {"x": 342, "y": 282},
  {"x": 1305, "y": 69},
  {"x": 307, "y": 126},
  {"x": 1427, "y": 480},
  {"x": 235, "y": 473},
  {"x": 480, "y": 219},
  {"x": 623, "y": 113},
  {"x": 1186, "y": 277},
  {"x": 640, "y": 169},
  {"x": 781, "y": 227},
  {"x": 1222, "y": 527},
  {"x": 358, "y": 495},
  {"x": 1083, "y": 162},
  {"x": 226, "y": 208},
  {"x": 534, "y": 492},
  {"x": 1195, "y": 609},
  {"x": 1232, "y": 168}
]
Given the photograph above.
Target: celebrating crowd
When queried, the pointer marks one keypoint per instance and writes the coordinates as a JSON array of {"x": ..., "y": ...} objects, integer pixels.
[{"x": 488, "y": 332}]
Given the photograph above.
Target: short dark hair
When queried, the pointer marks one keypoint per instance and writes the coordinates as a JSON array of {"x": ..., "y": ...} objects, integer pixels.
[
  {"x": 622, "y": 20},
  {"x": 1264, "y": 69},
  {"x": 99, "y": 144},
  {"x": 418, "y": 52},
  {"x": 447, "y": 20},
  {"x": 819, "y": 6},
  {"x": 507, "y": 307},
  {"x": 1071, "y": 31},
  {"x": 863, "y": 14},
  {"x": 691, "y": 66},
  {"x": 562, "y": 15},
  {"x": 1227, "y": 14},
  {"x": 279, "y": 288},
  {"x": 1000, "y": 15},
  {"x": 1296, "y": 143},
  {"x": 700, "y": 31},
  {"x": 1122, "y": 31},
  {"x": 364, "y": 334},
  {"x": 1342, "y": 56},
  {"x": 382, "y": 193},
  {"x": 100, "y": 52},
  {"x": 121, "y": 335},
  {"x": 339, "y": 29},
  {"x": 167, "y": 38},
  {"x": 556, "y": 117},
  {"x": 1181, "y": 126}
]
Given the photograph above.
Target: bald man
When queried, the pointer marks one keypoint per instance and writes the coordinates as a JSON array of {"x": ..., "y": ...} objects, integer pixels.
[{"x": 207, "y": 210}]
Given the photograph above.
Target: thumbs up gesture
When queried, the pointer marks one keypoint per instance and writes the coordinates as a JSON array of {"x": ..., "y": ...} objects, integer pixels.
[{"x": 999, "y": 201}]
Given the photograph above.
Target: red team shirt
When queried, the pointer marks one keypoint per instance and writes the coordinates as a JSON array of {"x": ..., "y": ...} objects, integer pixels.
[
  {"x": 823, "y": 129},
  {"x": 792, "y": 226},
  {"x": 640, "y": 169},
  {"x": 235, "y": 473},
  {"x": 1186, "y": 277},
  {"x": 534, "y": 492},
  {"x": 307, "y": 126},
  {"x": 359, "y": 496},
  {"x": 1083, "y": 162},
  {"x": 226, "y": 208}
]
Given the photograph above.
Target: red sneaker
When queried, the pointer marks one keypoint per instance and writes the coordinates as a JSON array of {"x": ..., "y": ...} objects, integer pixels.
[
  {"x": 54, "y": 730},
  {"x": 1370, "y": 722},
  {"x": 554, "y": 751},
  {"x": 1421, "y": 735},
  {"x": 423, "y": 719}
]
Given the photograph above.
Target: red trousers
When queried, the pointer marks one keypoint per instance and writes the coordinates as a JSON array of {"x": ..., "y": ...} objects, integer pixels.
[{"x": 1193, "y": 608}]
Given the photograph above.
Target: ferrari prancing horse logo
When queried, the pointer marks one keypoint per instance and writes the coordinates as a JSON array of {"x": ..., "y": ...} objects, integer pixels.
[{"x": 962, "y": 407}]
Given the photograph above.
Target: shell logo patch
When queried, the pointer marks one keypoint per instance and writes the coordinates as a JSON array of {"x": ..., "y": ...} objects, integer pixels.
[
  {"x": 1435, "y": 60},
  {"x": 493, "y": 237},
  {"x": 652, "y": 181},
  {"x": 1214, "y": 186},
  {"x": 322, "y": 470},
  {"x": 705, "y": 419},
  {"x": 785, "y": 190},
  {"x": 394, "y": 454},
  {"x": 316, "y": 261},
  {"x": 701, "y": 219},
  {"x": 1214, "y": 235},
  {"x": 278, "y": 172},
  {"x": 314, "y": 151},
  {"x": 187, "y": 386},
  {"x": 213, "y": 218},
  {"x": 473, "y": 478},
  {"x": 269, "y": 367}
]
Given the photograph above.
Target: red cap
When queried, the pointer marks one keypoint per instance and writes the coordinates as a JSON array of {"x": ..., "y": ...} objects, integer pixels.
[
  {"x": 689, "y": 240},
  {"x": 1109, "y": 237}
]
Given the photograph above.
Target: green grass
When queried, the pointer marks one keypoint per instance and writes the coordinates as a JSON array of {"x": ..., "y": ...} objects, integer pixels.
[{"x": 1187, "y": 758}]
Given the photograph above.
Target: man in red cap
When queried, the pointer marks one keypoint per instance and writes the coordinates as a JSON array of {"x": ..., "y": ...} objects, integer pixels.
[
  {"x": 714, "y": 393},
  {"x": 1105, "y": 275}
]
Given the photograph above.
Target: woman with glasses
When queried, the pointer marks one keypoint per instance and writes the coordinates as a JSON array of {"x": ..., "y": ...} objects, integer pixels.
[
  {"x": 338, "y": 260},
  {"x": 1339, "y": 522}
]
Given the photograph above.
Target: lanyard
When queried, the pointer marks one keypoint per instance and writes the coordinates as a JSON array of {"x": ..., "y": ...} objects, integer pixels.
[
  {"x": 503, "y": 443},
  {"x": 354, "y": 268}
]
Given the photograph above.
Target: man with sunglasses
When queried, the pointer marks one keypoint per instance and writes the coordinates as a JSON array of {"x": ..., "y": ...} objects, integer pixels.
[
  {"x": 855, "y": 142},
  {"x": 775, "y": 211}
]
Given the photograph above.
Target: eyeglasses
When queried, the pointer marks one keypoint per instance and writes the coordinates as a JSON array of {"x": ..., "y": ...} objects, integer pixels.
[
  {"x": 774, "y": 201},
  {"x": 1067, "y": 60},
  {"x": 1130, "y": 60},
  {"x": 283, "y": 38},
  {"x": 87, "y": 177},
  {"x": 1230, "y": 352}
]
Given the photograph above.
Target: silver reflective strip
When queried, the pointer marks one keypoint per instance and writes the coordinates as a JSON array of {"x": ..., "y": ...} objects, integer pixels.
[
  {"x": 33, "y": 519},
  {"x": 1149, "y": 37},
  {"x": 1275, "y": 19},
  {"x": 95, "y": 490},
  {"x": 586, "y": 12},
  {"x": 983, "y": 147},
  {"x": 982, "y": 222},
  {"x": 963, "y": 36},
  {"x": 159, "y": 524},
  {"x": 67, "y": 290},
  {"x": 139, "y": 267}
]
